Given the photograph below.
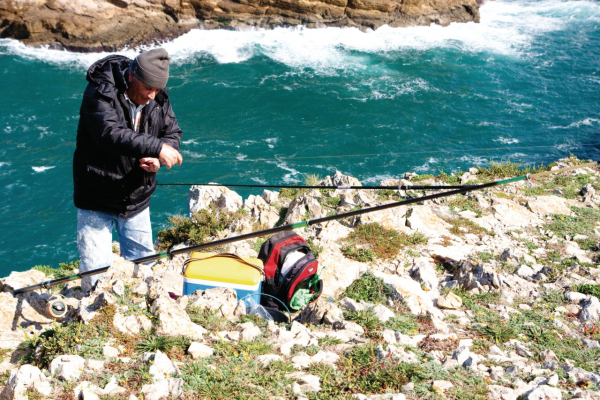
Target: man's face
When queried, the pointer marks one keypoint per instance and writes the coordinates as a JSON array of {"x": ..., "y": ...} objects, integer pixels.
[{"x": 139, "y": 92}]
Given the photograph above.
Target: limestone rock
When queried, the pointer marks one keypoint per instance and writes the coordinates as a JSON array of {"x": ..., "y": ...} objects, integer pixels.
[
  {"x": 17, "y": 280},
  {"x": 131, "y": 324},
  {"x": 270, "y": 196},
  {"x": 449, "y": 301},
  {"x": 321, "y": 312},
  {"x": 307, "y": 382},
  {"x": 199, "y": 350},
  {"x": 409, "y": 291},
  {"x": 163, "y": 367},
  {"x": 497, "y": 392},
  {"x": 544, "y": 392},
  {"x": 548, "y": 205},
  {"x": 339, "y": 179},
  {"x": 422, "y": 219},
  {"x": 423, "y": 271},
  {"x": 67, "y": 367},
  {"x": 590, "y": 309},
  {"x": 267, "y": 359},
  {"x": 203, "y": 197},
  {"x": 305, "y": 206},
  {"x": 223, "y": 300},
  {"x": 20, "y": 380},
  {"x": 261, "y": 211},
  {"x": 513, "y": 215},
  {"x": 172, "y": 320}
]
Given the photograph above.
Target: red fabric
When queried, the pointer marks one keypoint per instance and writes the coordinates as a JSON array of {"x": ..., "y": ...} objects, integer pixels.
[
  {"x": 309, "y": 269},
  {"x": 271, "y": 264}
]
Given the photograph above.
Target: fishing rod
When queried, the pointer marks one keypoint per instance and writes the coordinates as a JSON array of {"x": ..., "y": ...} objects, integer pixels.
[
  {"x": 341, "y": 187},
  {"x": 298, "y": 225}
]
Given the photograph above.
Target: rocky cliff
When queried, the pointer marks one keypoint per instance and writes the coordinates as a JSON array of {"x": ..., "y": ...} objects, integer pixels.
[
  {"x": 93, "y": 25},
  {"x": 489, "y": 295}
]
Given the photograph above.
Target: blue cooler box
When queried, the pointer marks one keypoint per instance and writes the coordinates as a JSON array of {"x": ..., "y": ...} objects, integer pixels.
[{"x": 210, "y": 270}]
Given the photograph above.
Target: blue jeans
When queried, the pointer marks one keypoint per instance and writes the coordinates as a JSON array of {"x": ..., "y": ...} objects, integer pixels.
[{"x": 94, "y": 240}]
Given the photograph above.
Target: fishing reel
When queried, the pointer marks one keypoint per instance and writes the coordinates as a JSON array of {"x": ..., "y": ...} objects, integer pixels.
[{"x": 56, "y": 307}]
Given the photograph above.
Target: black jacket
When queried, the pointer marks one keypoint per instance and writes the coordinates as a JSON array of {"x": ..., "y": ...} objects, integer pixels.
[{"x": 106, "y": 170}]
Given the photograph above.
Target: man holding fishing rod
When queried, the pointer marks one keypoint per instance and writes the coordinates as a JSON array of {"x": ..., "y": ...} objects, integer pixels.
[{"x": 127, "y": 131}]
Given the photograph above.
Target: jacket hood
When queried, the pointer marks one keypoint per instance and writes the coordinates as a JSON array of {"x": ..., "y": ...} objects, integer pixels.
[{"x": 109, "y": 75}]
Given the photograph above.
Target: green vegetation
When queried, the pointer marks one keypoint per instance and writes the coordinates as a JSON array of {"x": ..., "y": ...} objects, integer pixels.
[
  {"x": 507, "y": 169},
  {"x": 64, "y": 269},
  {"x": 369, "y": 288},
  {"x": 460, "y": 226},
  {"x": 202, "y": 225},
  {"x": 587, "y": 288},
  {"x": 383, "y": 243},
  {"x": 582, "y": 223}
]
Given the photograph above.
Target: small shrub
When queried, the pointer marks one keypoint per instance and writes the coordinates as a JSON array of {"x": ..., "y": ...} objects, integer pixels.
[
  {"x": 588, "y": 288},
  {"x": 203, "y": 224},
  {"x": 369, "y": 288},
  {"x": 384, "y": 243},
  {"x": 404, "y": 323},
  {"x": 359, "y": 254},
  {"x": 365, "y": 318}
]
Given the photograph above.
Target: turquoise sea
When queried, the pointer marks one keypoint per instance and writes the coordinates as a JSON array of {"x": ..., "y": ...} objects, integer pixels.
[{"x": 272, "y": 106}]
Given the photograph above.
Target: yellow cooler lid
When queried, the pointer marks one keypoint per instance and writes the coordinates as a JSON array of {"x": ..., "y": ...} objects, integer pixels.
[{"x": 226, "y": 268}]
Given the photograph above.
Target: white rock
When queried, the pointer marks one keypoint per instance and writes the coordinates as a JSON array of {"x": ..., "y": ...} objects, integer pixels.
[
  {"x": 172, "y": 320},
  {"x": 110, "y": 352},
  {"x": 548, "y": 205},
  {"x": 424, "y": 220},
  {"x": 202, "y": 197},
  {"x": 156, "y": 391},
  {"x": 552, "y": 380},
  {"x": 307, "y": 382},
  {"x": 270, "y": 196},
  {"x": 267, "y": 359},
  {"x": 449, "y": 301},
  {"x": 383, "y": 313},
  {"x": 163, "y": 367},
  {"x": 131, "y": 324},
  {"x": 67, "y": 367},
  {"x": 545, "y": 392},
  {"x": 199, "y": 350},
  {"x": 590, "y": 309},
  {"x": 321, "y": 312},
  {"x": 423, "y": 271},
  {"x": 497, "y": 392},
  {"x": 409, "y": 291},
  {"x": 223, "y": 300},
  {"x": 250, "y": 333},
  {"x": 326, "y": 357},
  {"x": 441, "y": 386},
  {"x": 525, "y": 271},
  {"x": 19, "y": 381}
]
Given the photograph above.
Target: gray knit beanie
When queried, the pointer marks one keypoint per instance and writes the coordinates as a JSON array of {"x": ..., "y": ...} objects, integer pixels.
[{"x": 152, "y": 68}]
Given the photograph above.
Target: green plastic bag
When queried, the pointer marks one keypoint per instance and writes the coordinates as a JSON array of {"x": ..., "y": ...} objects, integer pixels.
[{"x": 304, "y": 296}]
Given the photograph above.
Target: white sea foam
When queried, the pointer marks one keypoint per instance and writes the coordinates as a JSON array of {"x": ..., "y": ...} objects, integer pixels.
[
  {"x": 41, "y": 169},
  {"x": 377, "y": 179},
  {"x": 506, "y": 28},
  {"x": 578, "y": 124},
  {"x": 2, "y": 163},
  {"x": 293, "y": 173},
  {"x": 193, "y": 154},
  {"x": 258, "y": 180},
  {"x": 474, "y": 160},
  {"x": 188, "y": 142},
  {"x": 504, "y": 140}
]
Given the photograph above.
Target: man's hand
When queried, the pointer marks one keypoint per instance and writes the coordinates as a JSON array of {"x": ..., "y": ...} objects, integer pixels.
[
  {"x": 150, "y": 164},
  {"x": 169, "y": 156}
]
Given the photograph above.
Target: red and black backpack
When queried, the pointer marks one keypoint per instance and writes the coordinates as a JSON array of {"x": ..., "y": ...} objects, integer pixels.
[{"x": 273, "y": 253}]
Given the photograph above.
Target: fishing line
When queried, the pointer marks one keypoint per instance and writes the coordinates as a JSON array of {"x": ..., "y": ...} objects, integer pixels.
[{"x": 221, "y": 159}]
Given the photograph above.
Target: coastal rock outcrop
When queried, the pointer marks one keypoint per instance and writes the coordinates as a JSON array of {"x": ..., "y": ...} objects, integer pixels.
[{"x": 108, "y": 25}]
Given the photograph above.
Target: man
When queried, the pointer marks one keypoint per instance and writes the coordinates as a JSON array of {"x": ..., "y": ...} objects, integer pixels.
[{"x": 127, "y": 130}]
